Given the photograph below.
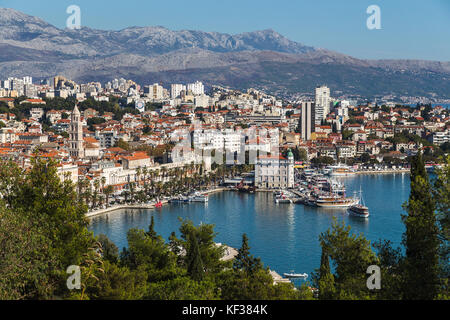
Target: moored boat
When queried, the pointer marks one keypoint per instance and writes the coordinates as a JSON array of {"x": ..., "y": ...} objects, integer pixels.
[
  {"x": 199, "y": 197},
  {"x": 340, "y": 170},
  {"x": 335, "y": 202},
  {"x": 282, "y": 197},
  {"x": 359, "y": 209}
]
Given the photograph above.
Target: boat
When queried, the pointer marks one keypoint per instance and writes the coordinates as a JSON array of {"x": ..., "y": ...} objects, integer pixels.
[
  {"x": 295, "y": 275},
  {"x": 359, "y": 209},
  {"x": 335, "y": 202},
  {"x": 281, "y": 197},
  {"x": 310, "y": 202},
  {"x": 159, "y": 204},
  {"x": 199, "y": 197},
  {"x": 179, "y": 200},
  {"x": 340, "y": 170}
]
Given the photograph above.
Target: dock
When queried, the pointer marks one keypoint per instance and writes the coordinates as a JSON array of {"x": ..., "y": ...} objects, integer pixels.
[{"x": 277, "y": 278}]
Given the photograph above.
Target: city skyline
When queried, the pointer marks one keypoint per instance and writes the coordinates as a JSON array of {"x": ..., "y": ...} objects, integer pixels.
[{"x": 409, "y": 30}]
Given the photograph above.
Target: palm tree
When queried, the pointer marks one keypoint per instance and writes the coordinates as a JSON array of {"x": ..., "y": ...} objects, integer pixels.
[
  {"x": 132, "y": 189},
  {"x": 163, "y": 173},
  {"x": 96, "y": 188},
  {"x": 145, "y": 173},
  {"x": 108, "y": 191},
  {"x": 138, "y": 174}
]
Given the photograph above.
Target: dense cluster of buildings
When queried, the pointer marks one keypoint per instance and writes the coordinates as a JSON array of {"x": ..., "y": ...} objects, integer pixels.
[{"x": 201, "y": 128}]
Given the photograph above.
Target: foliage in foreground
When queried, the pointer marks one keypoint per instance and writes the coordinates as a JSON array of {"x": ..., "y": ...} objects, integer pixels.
[{"x": 43, "y": 230}]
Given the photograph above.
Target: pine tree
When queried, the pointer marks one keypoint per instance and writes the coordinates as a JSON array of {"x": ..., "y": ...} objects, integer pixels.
[
  {"x": 151, "y": 230},
  {"x": 244, "y": 260},
  {"x": 441, "y": 194},
  {"x": 326, "y": 278},
  {"x": 194, "y": 259},
  {"x": 420, "y": 238}
]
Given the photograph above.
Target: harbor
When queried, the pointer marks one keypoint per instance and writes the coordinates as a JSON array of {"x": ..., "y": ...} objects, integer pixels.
[{"x": 285, "y": 236}]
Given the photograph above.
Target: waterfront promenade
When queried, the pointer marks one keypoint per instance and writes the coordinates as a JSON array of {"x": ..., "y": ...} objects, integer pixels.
[{"x": 138, "y": 206}]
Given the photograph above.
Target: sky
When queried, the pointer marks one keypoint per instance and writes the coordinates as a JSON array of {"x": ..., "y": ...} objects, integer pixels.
[{"x": 410, "y": 29}]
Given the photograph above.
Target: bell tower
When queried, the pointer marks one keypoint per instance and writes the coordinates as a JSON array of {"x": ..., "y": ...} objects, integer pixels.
[{"x": 76, "y": 147}]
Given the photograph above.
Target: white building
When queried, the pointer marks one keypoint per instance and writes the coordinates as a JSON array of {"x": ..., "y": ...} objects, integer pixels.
[
  {"x": 27, "y": 80},
  {"x": 155, "y": 91},
  {"x": 68, "y": 172},
  {"x": 201, "y": 101},
  {"x": 274, "y": 172},
  {"x": 322, "y": 108},
  {"x": 176, "y": 89},
  {"x": 36, "y": 113},
  {"x": 441, "y": 137},
  {"x": 226, "y": 140},
  {"x": 197, "y": 88}
]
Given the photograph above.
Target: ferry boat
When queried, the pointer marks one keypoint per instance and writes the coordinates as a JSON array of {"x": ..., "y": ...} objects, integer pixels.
[
  {"x": 335, "y": 202},
  {"x": 359, "y": 209},
  {"x": 340, "y": 170}
]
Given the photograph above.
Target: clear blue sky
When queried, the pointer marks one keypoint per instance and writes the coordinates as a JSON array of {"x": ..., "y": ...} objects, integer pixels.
[{"x": 411, "y": 29}]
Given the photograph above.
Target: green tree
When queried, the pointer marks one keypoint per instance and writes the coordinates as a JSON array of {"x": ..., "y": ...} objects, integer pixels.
[
  {"x": 326, "y": 278},
  {"x": 351, "y": 255},
  {"x": 244, "y": 260},
  {"x": 421, "y": 237},
  {"x": 151, "y": 230},
  {"x": 210, "y": 253},
  {"x": 118, "y": 283},
  {"x": 56, "y": 214},
  {"x": 194, "y": 259},
  {"x": 441, "y": 194},
  {"x": 110, "y": 250}
]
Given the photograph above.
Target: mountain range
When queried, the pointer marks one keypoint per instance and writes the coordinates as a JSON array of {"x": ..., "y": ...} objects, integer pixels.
[{"x": 261, "y": 59}]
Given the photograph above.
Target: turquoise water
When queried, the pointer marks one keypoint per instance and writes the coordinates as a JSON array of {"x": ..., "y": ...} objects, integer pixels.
[{"x": 285, "y": 236}]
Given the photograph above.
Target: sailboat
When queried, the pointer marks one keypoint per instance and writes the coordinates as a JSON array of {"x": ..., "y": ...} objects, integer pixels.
[{"x": 359, "y": 209}]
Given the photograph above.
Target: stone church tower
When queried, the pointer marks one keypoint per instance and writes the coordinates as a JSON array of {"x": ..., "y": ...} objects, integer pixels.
[{"x": 76, "y": 148}]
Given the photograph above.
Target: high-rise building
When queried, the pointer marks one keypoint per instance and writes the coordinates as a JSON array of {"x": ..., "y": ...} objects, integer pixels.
[
  {"x": 176, "y": 89},
  {"x": 307, "y": 120},
  {"x": 76, "y": 147},
  {"x": 197, "y": 88},
  {"x": 156, "y": 92},
  {"x": 322, "y": 98},
  {"x": 27, "y": 80}
]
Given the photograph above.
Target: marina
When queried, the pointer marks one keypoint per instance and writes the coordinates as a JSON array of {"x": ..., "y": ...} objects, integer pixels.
[{"x": 285, "y": 236}]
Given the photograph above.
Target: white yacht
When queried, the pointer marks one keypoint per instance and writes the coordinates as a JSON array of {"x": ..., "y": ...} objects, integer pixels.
[
  {"x": 200, "y": 197},
  {"x": 340, "y": 170}
]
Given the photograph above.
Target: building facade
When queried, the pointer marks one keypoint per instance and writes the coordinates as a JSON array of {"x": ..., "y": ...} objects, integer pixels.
[
  {"x": 322, "y": 97},
  {"x": 307, "y": 120},
  {"x": 274, "y": 172}
]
